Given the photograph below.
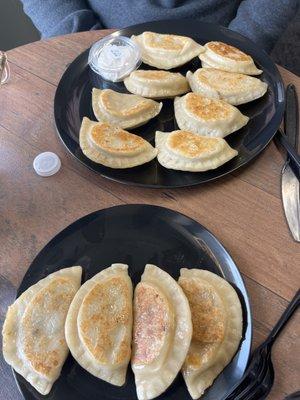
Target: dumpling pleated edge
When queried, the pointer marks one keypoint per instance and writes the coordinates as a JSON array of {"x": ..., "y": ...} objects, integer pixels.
[
  {"x": 178, "y": 86},
  {"x": 164, "y": 62},
  {"x": 211, "y": 59},
  {"x": 173, "y": 161},
  {"x": 126, "y": 123},
  {"x": 187, "y": 121},
  {"x": 107, "y": 160},
  {"x": 13, "y": 316},
  {"x": 182, "y": 336},
  {"x": 235, "y": 98},
  {"x": 116, "y": 376},
  {"x": 197, "y": 384}
]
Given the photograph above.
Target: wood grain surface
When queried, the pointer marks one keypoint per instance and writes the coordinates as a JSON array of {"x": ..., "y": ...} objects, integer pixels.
[{"x": 243, "y": 210}]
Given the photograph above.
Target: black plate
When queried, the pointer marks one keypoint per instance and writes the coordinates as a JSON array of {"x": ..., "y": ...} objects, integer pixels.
[
  {"x": 136, "y": 235},
  {"x": 73, "y": 102}
]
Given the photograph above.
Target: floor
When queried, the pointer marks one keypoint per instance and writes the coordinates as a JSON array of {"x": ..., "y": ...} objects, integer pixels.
[{"x": 285, "y": 53}]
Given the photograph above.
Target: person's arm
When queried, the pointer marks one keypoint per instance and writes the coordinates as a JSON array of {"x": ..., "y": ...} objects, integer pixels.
[
  {"x": 59, "y": 17},
  {"x": 264, "y": 21}
]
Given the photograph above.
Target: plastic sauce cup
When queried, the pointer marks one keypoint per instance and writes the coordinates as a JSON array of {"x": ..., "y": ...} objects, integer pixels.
[{"x": 114, "y": 57}]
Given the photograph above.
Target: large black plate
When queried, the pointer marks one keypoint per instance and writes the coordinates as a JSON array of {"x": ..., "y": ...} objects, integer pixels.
[
  {"x": 73, "y": 102},
  {"x": 136, "y": 235}
]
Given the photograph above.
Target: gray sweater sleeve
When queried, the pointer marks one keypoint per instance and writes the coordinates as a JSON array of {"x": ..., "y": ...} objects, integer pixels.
[
  {"x": 264, "y": 21},
  {"x": 57, "y": 17}
]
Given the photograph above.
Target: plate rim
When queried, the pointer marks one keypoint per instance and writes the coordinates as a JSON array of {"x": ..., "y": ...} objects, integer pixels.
[
  {"x": 248, "y": 334},
  {"x": 84, "y": 55}
]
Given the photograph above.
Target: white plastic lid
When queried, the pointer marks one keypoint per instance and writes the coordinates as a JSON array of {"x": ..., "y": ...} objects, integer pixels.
[
  {"x": 114, "y": 57},
  {"x": 46, "y": 164}
]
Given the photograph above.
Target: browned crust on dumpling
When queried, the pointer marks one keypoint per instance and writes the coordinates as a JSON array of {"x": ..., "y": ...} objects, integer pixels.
[
  {"x": 189, "y": 144},
  {"x": 151, "y": 322},
  {"x": 104, "y": 314},
  {"x": 205, "y": 108},
  {"x": 38, "y": 346},
  {"x": 154, "y": 75},
  {"x": 166, "y": 42},
  {"x": 113, "y": 139},
  {"x": 228, "y": 51},
  {"x": 208, "y": 317},
  {"x": 223, "y": 80},
  {"x": 109, "y": 98}
]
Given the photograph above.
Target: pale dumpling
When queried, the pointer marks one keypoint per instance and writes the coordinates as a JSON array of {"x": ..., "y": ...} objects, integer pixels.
[
  {"x": 207, "y": 117},
  {"x": 99, "y": 323},
  {"x": 222, "y": 56},
  {"x": 166, "y": 51},
  {"x": 113, "y": 147},
  {"x": 123, "y": 110},
  {"x": 186, "y": 151},
  {"x": 156, "y": 84},
  {"x": 33, "y": 331},
  {"x": 217, "y": 327},
  {"x": 231, "y": 87},
  {"x": 162, "y": 332}
]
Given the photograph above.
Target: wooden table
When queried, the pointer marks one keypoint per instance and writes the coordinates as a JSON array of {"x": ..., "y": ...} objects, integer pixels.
[{"x": 243, "y": 210}]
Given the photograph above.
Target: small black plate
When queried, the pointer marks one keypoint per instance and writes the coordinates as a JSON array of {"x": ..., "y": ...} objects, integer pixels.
[
  {"x": 73, "y": 101},
  {"x": 136, "y": 235}
]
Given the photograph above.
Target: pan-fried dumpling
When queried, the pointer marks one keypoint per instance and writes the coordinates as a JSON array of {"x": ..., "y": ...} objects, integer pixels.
[
  {"x": 99, "y": 323},
  {"x": 166, "y": 51},
  {"x": 162, "y": 331},
  {"x": 156, "y": 84},
  {"x": 33, "y": 331},
  {"x": 123, "y": 110},
  {"x": 222, "y": 56},
  {"x": 217, "y": 327},
  {"x": 207, "y": 117},
  {"x": 231, "y": 87},
  {"x": 113, "y": 147},
  {"x": 186, "y": 151}
]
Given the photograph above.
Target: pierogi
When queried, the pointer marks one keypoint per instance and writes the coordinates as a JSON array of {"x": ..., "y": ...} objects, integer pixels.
[
  {"x": 222, "y": 56},
  {"x": 99, "y": 323},
  {"x": 121, "y": 109},
  {"x": 217, "y": 327},
  {"x": 165, "y": 51},
  {"x": 207, "y": 117},
  {"x": 186, "y": 151},
  {"x": 156, "y": 84},
  {"x": 231, "y": 87},
  {"x": 162, "y": 332},
  {"x": 113, "y": 147},
  {"x": 33, "y": 332}
]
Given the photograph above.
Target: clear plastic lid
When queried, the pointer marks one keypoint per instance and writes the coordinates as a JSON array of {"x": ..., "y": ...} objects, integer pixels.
[
  {"x": 46, "y": 164},
  {"x": 114, "y": 57}
]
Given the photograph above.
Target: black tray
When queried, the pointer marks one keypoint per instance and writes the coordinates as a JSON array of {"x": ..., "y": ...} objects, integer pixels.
[
  {"x": 73, "y": 102},
  {"x": 136, "y": 235}
]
